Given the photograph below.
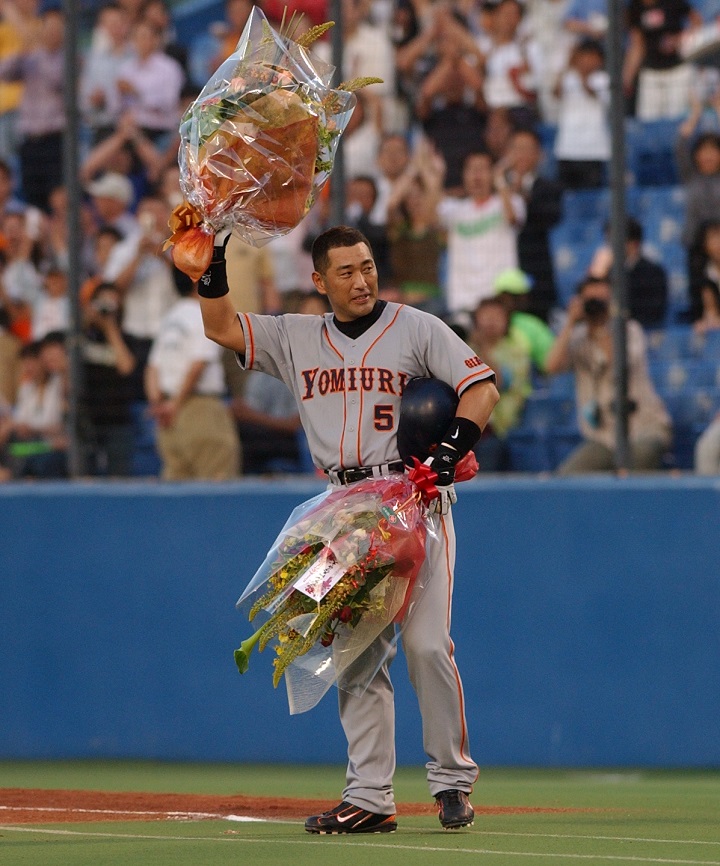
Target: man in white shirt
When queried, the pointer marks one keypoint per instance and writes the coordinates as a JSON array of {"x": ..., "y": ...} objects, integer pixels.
[
  {"x": 185, "y": 385},
  {"x": 482, "y": 232}
]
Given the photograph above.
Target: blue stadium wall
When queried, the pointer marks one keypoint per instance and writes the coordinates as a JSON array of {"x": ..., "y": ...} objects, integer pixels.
[{"x": 586, "y": 622}]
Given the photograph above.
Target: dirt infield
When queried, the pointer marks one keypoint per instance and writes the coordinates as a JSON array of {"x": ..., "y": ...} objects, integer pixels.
[{"x": 41, "y": 806}]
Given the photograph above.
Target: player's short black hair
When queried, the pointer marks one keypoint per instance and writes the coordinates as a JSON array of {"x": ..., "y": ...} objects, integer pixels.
[{"x": 338, "y": 236}]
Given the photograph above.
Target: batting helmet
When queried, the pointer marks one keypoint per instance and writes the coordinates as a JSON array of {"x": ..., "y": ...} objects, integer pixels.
[{"x": 426, "y": 410}]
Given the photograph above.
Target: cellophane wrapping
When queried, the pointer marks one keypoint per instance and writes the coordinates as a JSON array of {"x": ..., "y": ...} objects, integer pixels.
[
  {"x": 341, "y": 572},
  {"x": 258, "y": 144}
]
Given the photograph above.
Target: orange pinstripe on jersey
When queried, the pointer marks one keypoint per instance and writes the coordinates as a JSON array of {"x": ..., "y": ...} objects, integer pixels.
[
  {"x": 362, "y": 364},
  {"x": 343, "y": 465},
  {"x": 481, "y": 372},
  {"x": 456, "y": 672}
]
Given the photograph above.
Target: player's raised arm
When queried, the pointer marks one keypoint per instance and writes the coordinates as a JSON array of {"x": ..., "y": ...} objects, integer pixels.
[{"x": 220, "y": 318}]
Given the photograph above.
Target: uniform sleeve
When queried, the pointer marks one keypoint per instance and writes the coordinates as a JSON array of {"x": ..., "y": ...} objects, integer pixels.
[
  {"x": 449, "y": 358},
  {"x": 268, "y": 342}
]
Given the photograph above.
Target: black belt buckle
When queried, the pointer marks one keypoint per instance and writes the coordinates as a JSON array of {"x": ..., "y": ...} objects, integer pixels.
[
  {"x": 349, "y": 476},
  {"x": 359, "y": 473}
]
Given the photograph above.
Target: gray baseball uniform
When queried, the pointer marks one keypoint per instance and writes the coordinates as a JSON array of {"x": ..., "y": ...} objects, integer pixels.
[{"x": 348, "y": 392}]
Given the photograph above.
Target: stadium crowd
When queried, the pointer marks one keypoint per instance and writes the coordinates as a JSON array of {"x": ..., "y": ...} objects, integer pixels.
[{"x": 478, "y": 171}]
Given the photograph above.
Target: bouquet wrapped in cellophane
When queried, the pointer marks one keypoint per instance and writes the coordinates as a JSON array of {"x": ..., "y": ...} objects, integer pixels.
[
  {"x": 258, "y": 144},
  {"x": 341, "y": 571}
]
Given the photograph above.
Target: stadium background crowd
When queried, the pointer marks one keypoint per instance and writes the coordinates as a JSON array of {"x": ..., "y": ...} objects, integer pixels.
[{"x": 478, "y": 170}]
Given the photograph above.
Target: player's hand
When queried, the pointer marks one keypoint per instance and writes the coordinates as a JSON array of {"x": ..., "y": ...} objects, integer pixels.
[
  {"x": 220, "y": 244},
  {"x": 446, "y": 498},
  {"x": 446, "y": 495}
]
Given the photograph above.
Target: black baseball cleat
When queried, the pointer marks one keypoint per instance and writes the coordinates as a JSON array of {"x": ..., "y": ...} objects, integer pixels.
[
  {"x": 454, "y": 809},
  {"x": 346, "y": 818}
]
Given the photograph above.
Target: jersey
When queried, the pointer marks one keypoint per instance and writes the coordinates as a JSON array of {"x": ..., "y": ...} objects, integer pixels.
[{"x": 348, "y": 390}]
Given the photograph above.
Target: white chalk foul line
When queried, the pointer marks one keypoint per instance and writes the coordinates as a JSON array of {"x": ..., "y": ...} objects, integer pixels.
[
  {"x": 190, "y": 816},
  {"x": 363, "y": 844}
]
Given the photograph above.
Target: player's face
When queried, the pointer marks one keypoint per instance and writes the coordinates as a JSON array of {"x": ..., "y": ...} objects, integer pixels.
[{"x": 350, "y": 282}]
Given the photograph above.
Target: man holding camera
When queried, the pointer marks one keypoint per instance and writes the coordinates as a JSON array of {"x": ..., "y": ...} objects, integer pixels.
[
  {"x": 108, "y": 364},
  {"x": 585, "y": 346}
]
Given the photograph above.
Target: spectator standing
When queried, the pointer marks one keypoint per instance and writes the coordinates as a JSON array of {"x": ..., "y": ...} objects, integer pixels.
[
  {"x": 158, "y": 14},
  {"x": 646, "y": 281},
  {"x": 451, "y": 103},
  {"x": 511, "y": 64},
  {"x": 100, "y": 99},
  {"x": 19, "y": 28},
  {"x": 582, "y": 144},
  {"x": 360, "y": 198},
  {"x": 107, "y": 364},
  {"x": 698, "y": 160},
  {"x": 368, "y": 51},
  {"x": 543, "y": 204},
  {"x": 393, "y": 158},
  {"x": 653, "y": 61},
  {"x": 146, "y": 284},
  {"x": 416, "y": 241},
  {"x": 150, "y": 84},
  {"x": 509, "y": 358},
  {"x": 41, "y": 119},
  {"x": 585, "y": 346},
  {"x": 482, "y": 232},
  {"x": 544, "y": 20},
  {"x": 185, "y": 385}
]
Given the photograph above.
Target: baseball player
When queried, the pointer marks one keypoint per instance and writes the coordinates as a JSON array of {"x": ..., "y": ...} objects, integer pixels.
[{"x": 347, "y": 370}]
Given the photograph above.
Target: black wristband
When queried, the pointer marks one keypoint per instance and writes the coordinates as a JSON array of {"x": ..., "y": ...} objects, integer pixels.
[
  {"x": 459, "y": 438},
  {"x": 213, "y": 283},
  {"x": 461, "y": 435}
]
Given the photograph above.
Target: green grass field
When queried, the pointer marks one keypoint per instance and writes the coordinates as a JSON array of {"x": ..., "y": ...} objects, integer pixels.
[{"x": 630, "y": 817}]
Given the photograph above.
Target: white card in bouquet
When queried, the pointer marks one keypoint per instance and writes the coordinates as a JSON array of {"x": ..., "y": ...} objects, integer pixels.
[{"x": 320, "y": 577}]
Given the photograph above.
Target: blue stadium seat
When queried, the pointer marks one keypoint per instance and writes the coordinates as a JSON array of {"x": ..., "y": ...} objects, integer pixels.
[
  {"x": 692, "y": 409},
  {"x": 670, "y": 343},
  {"x": 665, "y": 200},
  {"x": 586, "y": 205},
  {"x": 529, "y": 451},
  {"x": 681, "y": 374},
  {"x": 650, "y": 152},
  {"x": 572, "y": 256},
  {"x": 561, "y": 443},
  {"x": 544, "y": 411},
  {"x": 707, "y": 345},
  {"x": 562, "y": 385}
]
